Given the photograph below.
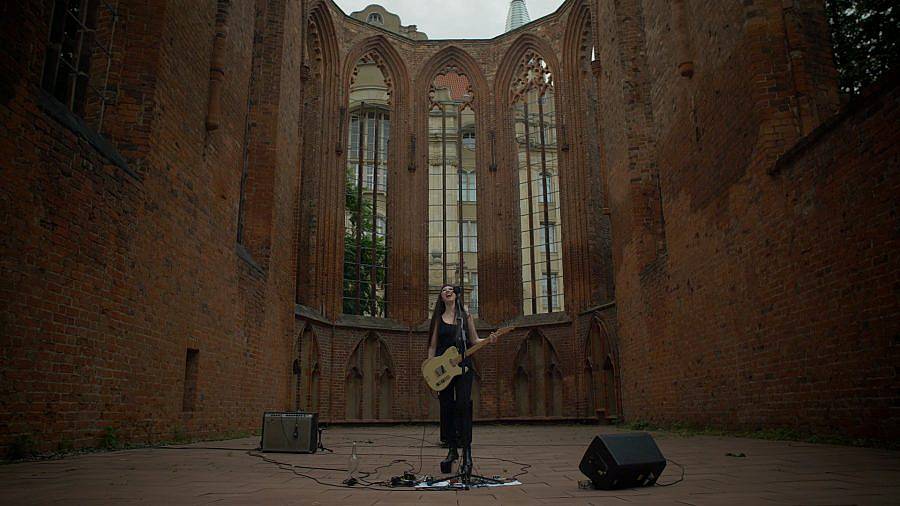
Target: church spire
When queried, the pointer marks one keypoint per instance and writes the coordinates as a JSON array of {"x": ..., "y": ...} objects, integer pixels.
[{"x": 517, "y": 15}]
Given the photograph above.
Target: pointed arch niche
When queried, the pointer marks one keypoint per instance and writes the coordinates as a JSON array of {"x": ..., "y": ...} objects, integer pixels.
[
  {"x": 319, "y": 137},
  {"x": 601, "y": 383},
  {"x": 369, "y": 382},
  {"x": 537, "y": 378},
  {"x": 309, "y": 371},
  {"x": 584, "y": 181}
]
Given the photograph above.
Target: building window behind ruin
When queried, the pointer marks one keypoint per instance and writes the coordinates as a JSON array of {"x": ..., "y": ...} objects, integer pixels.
[
  {"x": 365, "y": 219},
  {"x": 81, "y": 35},
  {"x": 452, "y": 207},
  {"x": 375, "y": 18},
  {"x": 534, "y": 113}
]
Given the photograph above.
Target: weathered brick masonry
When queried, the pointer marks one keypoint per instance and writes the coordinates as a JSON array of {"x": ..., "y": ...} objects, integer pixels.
[
  {"x": 772, "y": 299},
  {"x": 537, "y": 371},
  {"x": 729, "y": 237},
  {"x": 117, "y": 261}
]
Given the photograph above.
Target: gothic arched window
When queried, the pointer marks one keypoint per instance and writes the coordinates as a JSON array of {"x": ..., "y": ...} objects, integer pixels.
[
  {"x": 534, "y": 113},
  {"x": 365, "y": 218},
  {"x": 452, "y": 199}
]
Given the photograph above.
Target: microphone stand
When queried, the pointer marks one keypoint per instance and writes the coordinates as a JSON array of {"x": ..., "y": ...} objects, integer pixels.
[
  {"x": 462, "y": 339},
  {"x": 462, "y": 343}
]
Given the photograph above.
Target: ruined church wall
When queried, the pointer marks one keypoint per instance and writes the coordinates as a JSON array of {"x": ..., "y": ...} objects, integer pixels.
[
  {"x": 752, "y": 275},
  {"x": 119, "y": 250}
]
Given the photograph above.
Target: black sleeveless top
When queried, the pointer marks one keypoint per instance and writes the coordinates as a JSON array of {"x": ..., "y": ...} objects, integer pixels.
[{"x": 446, "y": 336}]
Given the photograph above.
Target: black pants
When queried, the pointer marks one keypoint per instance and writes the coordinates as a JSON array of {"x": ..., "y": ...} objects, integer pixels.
[{"x": 456, "y": 411}]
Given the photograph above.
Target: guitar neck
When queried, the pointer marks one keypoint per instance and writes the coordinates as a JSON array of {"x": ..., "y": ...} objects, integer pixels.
[{"x": 478, "y": 346}]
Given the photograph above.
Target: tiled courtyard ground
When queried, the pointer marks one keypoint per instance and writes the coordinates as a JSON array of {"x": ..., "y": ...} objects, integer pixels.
[{"x": 223, "y": 472}]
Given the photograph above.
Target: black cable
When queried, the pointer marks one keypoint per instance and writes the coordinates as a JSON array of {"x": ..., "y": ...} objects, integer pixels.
[
  {"x": 375, "y": 471},
  {"x": 523, "y": 465},
  {"x": 421, "y": 447},
  {"x": 370, "y": 486},
  {"x": 414, "y": 438},
  {"x": 197, "y": 448},
  {"x": 316, "y": 468},
  {"x": 485, "y": 445},
  {"x": 375, "y": 486},
  {"x": 676, "y": 481}
]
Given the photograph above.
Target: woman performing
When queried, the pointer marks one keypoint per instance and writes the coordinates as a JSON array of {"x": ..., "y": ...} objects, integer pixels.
[{"x": 456, "y": 399}]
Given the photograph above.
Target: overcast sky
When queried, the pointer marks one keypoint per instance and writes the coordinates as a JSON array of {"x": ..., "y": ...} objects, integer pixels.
[{"x": 454, "y": 19}]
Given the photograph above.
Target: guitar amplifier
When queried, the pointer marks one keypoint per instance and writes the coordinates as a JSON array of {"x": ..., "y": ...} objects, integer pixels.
[{"x": 290, "y": 432}]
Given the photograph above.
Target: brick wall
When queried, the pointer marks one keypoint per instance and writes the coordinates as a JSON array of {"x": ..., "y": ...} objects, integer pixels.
[
  {"x": 411, "y": 66},
  {"x": 587, "y": 268},
  {"x": 739, "y": 279},
  {"x": 119, "y": 246},
  {"x": 407, "y": 347},
  {"x": 754, "y": 315}
]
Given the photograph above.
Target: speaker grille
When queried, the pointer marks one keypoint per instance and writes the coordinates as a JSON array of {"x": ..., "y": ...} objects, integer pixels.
[{"x": 294, "y": 432}]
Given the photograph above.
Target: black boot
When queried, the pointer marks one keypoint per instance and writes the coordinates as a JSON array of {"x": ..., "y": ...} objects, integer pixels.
[
  {"x": 447, "y": 463},
  {"x": 465, "y": 468}
]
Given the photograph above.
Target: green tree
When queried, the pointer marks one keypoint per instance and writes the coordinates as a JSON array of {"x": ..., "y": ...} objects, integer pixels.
[
  {"x": 865, "y": 35},
  {"x": 358, "y": 293}
]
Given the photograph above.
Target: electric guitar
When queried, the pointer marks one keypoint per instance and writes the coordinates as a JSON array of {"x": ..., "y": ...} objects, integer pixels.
[{"x": 438, "y": 371}]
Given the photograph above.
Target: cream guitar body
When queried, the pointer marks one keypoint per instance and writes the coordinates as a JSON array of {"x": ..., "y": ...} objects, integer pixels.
[{"x": 439, "y": 371}]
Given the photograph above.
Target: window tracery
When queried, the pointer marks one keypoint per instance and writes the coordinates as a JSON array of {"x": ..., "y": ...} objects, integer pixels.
[
  {"x": 366, "y": 189},
  {"x": 532, "y": 95},
  {"x": 452, "y": 195}
]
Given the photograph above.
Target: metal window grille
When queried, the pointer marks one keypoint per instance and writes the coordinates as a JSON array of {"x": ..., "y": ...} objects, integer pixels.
[
  {"x": 73, "y": 41},
  {"x": 534, "y": 118},
  {"x": 452, "y": 197},
  {"x": 365, "y": 248}
]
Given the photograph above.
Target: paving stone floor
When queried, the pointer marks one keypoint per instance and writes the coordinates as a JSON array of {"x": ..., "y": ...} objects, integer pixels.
[{"x": 546, "y": 458}]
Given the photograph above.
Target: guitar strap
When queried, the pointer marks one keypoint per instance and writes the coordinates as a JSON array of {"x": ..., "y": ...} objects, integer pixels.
[{"x": 462, "y": 342}]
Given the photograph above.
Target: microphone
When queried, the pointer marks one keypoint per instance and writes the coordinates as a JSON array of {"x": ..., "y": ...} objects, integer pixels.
[{"x": 457, "y": 290}]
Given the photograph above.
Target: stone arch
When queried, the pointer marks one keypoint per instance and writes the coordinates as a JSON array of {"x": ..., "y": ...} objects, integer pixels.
[
  {"x": 380, "y": 50},
  {"x": 537, "y": 378},
  {"x": 602, "y": 390},
  {"x": 322, "y": 45},
  {"x": 307, "y": 367},
  {"x": 392, "y": 66},
  {"x": 578, "y": 40},
  {"x": 578, "y": 85},
  {"x": 510, "y": 64},
  {"x": 321, "y": 70},
  {"x": 369, "y": 380},
  {"x": 451, "y": 59},
  {"x": 453, "y": 56},
  {"x": 518, "y": 62}
]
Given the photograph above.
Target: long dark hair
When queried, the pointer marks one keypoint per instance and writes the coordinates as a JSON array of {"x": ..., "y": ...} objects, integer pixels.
[{"x": 440, "y": 307}]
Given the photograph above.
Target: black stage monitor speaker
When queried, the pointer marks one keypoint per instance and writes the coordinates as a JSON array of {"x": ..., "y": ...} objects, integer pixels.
[
  {"x": 622, "y": 461},
  {"x": 292, "y": 432}
]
